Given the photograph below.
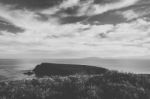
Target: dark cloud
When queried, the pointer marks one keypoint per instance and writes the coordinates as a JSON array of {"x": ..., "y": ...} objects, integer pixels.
[
  {"x": 143, "y": 10},
  {"x": 42, "y": 17},
  {"x": 106, "y": 18},
  {"x": 67, "y": 15},
  {"x": 4, "y": 26},
  {"x": 139, "y": 5},
  {"x": 72, "y": 19},
  {"x": 43, "y": 4},
  {"x": 143, "y": 2},
  {"x": 67, "y": 12},
  {"x": 105, "y": 1},
  {"x": 32, "y": 4},
  {"x": 70, "y": 10},
  {"x": 148, "y": 17}
]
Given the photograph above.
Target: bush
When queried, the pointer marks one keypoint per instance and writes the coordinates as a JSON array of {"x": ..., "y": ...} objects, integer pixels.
[{"x": 111, "y": 85}]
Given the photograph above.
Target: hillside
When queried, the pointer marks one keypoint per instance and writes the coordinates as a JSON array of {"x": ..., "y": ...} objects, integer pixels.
[{"x": 77, "y": 82}]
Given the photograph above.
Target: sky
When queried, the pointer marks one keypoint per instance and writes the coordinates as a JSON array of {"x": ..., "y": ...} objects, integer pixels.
[{"x": 74, "y": 28}]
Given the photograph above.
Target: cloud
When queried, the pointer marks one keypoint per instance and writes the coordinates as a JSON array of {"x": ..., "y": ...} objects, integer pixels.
[
  {"x": 135, "y": 13},
  {"x": 51, "y": 38},
  {"x": 120, "y": 39},
  {"x": 87, "y": 7},
  {"x": 69, "y": 3},
  {"x": 129, "y": 15},
  {"x": 99, "y": 9}
]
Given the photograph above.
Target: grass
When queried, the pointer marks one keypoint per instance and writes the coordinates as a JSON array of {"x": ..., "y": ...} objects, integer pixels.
[{"x": 111, "y": 85}]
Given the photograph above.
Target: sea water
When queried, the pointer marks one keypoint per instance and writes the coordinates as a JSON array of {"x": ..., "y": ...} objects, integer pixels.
[{"x": 14, "y": 68}]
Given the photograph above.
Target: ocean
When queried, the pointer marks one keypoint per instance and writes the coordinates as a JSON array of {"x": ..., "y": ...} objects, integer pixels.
[{"x": 14, "y": 68}]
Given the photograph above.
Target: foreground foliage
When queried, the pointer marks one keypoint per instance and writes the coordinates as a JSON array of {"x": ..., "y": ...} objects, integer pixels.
[{"x": 111, "y": 85}]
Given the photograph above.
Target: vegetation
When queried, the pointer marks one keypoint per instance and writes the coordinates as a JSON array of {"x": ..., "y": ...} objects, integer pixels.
[
  {"x": 109, "y": 85},
  {"x": 51, "y": 69}
]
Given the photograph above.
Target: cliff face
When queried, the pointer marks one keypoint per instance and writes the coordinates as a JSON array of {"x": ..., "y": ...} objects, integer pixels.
[{"x": 51, "y": 69}]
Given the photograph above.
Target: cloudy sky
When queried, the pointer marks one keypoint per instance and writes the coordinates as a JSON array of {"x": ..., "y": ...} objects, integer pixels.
[{"x": 74, "y": 28}]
